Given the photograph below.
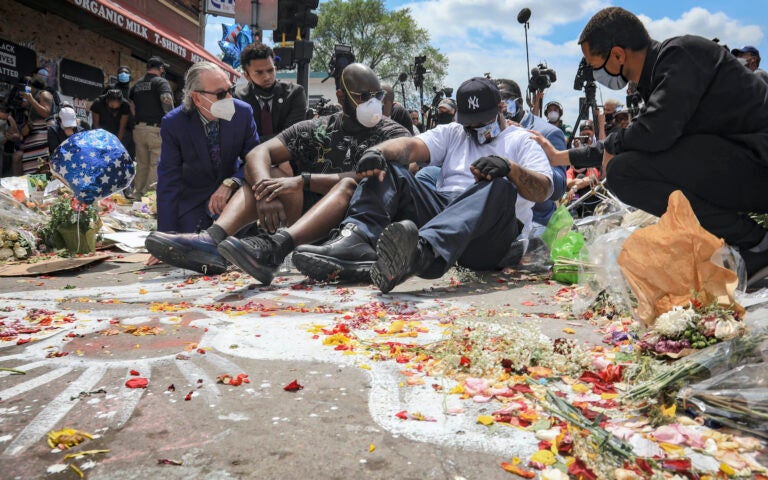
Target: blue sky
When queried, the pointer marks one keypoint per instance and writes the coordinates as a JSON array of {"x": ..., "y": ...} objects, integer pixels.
[{"x": 481, "y": 36}]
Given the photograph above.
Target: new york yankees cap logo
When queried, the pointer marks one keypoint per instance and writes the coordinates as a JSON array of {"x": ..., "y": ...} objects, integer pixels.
[{"x": 478, "y": 101}]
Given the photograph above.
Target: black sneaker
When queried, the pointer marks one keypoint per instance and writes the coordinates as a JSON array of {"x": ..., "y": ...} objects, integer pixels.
[
  {"x": 193, "y": 251},
  {"x": 257, "y": 256},
  {"x": 400, "y": 255},
  {"x": 347, "y": 256},
  {"x": 756, "y": 265}
]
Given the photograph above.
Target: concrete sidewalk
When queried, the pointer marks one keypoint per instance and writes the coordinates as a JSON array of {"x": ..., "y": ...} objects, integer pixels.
[{"x": 342, "y": 424}]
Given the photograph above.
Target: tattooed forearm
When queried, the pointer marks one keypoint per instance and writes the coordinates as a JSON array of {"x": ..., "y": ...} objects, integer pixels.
[
  {"x": 403, "y": 156},
  {"x": 531, "y": 185},
  {"x": 404, "y": 150}
]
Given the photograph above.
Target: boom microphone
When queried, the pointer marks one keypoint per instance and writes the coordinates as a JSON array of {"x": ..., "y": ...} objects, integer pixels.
[{"x": 524, "y": 15}]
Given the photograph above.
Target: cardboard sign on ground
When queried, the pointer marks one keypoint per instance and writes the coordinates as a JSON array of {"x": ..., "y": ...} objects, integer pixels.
[{"x": 53, "y": 265}]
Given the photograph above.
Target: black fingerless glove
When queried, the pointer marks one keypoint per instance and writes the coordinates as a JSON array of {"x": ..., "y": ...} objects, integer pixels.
[
  {"x": 372, "y": 159},
  {"x": 493, "y": 165}
]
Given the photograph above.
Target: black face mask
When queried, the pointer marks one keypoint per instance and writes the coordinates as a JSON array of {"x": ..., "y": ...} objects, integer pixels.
[
  {"x": 444, "y": 118},
  {"x": 37, "y": 83},
  {"x": 609, "y": 118},
  {"x": 264, "y": 93}
]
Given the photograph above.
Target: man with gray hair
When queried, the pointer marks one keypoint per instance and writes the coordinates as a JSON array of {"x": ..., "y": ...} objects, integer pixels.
[{"x": 204, "y": 144}]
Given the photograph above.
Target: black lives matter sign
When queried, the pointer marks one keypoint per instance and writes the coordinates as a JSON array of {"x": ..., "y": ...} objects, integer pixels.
[
  {"x": 15, "y": 61},
  {"x": 80, "y": 80}
]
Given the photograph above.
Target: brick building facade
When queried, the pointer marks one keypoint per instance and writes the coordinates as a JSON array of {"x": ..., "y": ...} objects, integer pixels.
[{"x": 92, "y": 38}]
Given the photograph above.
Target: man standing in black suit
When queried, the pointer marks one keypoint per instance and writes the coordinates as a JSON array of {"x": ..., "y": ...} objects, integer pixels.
[{"x": 276, "y": 104}]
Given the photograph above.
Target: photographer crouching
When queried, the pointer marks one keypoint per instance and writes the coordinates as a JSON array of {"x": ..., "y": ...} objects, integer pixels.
[{"x": 698, "y": 132}]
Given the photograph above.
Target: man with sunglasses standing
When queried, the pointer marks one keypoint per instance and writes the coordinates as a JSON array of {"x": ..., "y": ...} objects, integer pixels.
[
  {"x": 203, "y": 141},
  {"x": 276, "y": 104},
  {"x": 703, "y": 131},
  {"x": 323, "y": 153},
  {"x": 151, "y": 98},
  {"x": 397, "y": 226}
]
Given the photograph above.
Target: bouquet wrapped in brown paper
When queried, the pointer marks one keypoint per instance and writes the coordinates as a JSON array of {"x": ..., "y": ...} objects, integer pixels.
[{"x": 666, "y": 263}]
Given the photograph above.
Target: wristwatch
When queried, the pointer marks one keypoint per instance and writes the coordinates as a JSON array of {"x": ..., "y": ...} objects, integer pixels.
[
  {"x": 306, "y": 177},
  {"x": 231, "y": 183}
]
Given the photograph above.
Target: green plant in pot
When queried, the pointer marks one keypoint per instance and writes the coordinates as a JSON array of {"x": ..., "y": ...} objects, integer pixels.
[{"x": 72, "y": 225}]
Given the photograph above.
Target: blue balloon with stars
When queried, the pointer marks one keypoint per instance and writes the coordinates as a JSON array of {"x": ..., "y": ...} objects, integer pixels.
[
  {"x": 93, "y": 164},
  {"x": 234, "y": 39}
]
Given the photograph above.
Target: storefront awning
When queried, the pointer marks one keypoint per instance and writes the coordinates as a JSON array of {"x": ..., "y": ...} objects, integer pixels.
[{"x": 140, "y": 27}]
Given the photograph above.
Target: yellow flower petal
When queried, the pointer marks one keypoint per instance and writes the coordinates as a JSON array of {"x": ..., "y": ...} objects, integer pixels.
[
  {"x": 672, "y": 449},
  {"x": 485, "y": 420},
  {"x": 580, "y": 388},
  {"x": 727, "y": 469},
  {"x": 669, "y": 412},
  {"x": 371, "y": 447},
  {"x": 544, "y": 456},
  {"x": 396, "y": 326},
  {"x": 569, "y": 331},
  {"x": 458, "y": 389}
]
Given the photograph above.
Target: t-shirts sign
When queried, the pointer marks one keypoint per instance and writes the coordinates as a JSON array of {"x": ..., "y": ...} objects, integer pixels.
[
  {"x": 80, "y": 80},
  {"x": 15, "y": 61}
]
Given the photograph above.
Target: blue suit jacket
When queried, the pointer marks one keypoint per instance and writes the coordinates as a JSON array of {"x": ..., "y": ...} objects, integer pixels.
[
  {"x": 542, "y": 211},
  {"x": 186, "y": 176}
]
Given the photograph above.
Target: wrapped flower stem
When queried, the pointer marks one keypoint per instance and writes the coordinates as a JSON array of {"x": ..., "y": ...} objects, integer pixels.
[
  {"x": 703, "y": 364},
  {"x": 605, "y": 440}
]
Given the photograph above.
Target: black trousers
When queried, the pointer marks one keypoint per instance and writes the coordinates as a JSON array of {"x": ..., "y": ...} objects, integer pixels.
[
  {"x": 721, "y": 179},
  {"x": 474, "y": 228}
]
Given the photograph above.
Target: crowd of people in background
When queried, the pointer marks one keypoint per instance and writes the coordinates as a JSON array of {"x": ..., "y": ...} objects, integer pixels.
[{"x": 261, "y": 135}]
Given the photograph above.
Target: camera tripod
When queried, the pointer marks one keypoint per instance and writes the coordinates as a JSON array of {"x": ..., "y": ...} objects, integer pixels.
[{"x": 588, "y": 106}]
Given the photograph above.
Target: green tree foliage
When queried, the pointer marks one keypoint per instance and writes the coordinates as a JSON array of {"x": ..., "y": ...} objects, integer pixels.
[{"x": 386, "y": 41}]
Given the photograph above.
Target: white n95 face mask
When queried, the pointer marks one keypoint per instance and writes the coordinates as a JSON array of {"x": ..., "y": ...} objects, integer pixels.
[
  {"x": 223, "y": 109},
  {"x": 369, "y": 113},
  {"x": 553, "y": 116}
]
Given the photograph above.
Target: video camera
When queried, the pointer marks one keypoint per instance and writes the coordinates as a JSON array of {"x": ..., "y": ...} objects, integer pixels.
[
  {"x": 585, "y": 80},
  {"x": 633, "y": 103},
  {"x": 320, "y": 106},
  {"x": 584, "y": 75},
  {"x": 542, "y": 77},
  {"x": 431, "y": 111},
  {"x": 418, "y": 71},
  {"x": 341, "y": 57}
]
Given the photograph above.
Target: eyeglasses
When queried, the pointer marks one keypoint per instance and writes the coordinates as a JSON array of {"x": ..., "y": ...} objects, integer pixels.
[
  {"x": 221, "y": 94},
  {"x": 365, "y": 96}
]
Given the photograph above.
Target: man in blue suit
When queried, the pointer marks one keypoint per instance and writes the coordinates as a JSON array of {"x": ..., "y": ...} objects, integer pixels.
[
  {"x": 513, "y": 100},
  {"x": 204, "y": 145}
]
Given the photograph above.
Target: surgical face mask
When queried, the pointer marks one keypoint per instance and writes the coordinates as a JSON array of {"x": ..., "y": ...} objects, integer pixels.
[
  {"x": 369, "y": 113},
  {"x": 511, "y": 106},
  {"x": 123, "y": 77},
  {"x": 553, "y": 116},
  {"x": 223, "y": 109},
  {"x": 743, "y": 60},
  {"x": 610, "y": 80},
  {"x": 484, "y": 134}
]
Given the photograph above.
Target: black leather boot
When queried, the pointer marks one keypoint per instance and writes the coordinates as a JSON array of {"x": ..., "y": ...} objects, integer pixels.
[
  {"x": 193, "y": 251},
  {"x": 400, "y": 254},
  {"x": 258, "y": 255},
  {"x": 346, "y": 256}
]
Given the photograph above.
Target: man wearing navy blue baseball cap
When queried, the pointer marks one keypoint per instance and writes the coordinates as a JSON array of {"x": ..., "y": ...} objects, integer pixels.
[
  {"x": 749, "y": 56},
  {"x": 399, "y": 227}
]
